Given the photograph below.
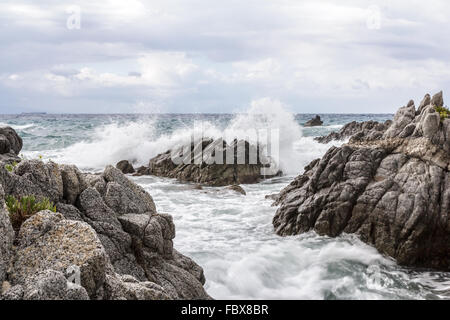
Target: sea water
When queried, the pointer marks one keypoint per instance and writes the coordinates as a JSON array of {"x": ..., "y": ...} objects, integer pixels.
[{"x": 231, "y": 235}]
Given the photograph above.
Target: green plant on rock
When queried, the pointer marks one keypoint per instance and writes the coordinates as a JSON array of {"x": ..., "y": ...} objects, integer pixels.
[
  {"x": 10, "y": 167},
  {"x": 444, "y": 112},
  {"x": 23, "y": 208}
]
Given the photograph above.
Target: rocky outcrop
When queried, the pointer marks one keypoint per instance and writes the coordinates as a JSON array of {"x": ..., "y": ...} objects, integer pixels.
[
  {"x": 393, "y": 189},
  {"x": 205, "y": 162},
  {"x": 314, "y": 122},
  {"x": 125, "y": 166},
  {"x": 106, "y": 229},
  {"x": 371, "y": 130},
  {"x": 10, "y": 145}
]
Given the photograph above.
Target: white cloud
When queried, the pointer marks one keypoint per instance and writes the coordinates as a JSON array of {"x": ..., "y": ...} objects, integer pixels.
[{"x": 175, "y": 54}]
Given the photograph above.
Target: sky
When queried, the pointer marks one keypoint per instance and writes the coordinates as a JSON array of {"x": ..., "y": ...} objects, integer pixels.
[{"x": 185, "y": 56}]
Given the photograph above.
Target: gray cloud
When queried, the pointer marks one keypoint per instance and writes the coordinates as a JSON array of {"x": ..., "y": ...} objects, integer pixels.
[{"x": 195, "y": 56}]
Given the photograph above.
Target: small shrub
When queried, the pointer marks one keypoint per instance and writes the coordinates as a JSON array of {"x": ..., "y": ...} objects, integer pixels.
[
  {"x": 20, "y": 210},
  {"x": 444, "y": 112}
]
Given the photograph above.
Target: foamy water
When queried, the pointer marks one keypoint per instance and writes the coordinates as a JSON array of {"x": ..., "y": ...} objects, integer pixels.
[{"x": 230, "y": 235}]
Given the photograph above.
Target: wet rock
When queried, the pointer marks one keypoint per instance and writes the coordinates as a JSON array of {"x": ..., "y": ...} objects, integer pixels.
[
  {"x": 205, "y": 162},
  {"x": 10, "y": 141},
  {"x": 315, "y": 122},
  {"x": 392, "y": 191},
  {"x": 370, "y": 130},
  {"x": 125, "y": 166},
  {"x": 237, "y": 188}
]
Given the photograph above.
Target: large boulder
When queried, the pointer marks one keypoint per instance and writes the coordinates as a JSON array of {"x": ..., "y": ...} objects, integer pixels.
[
  {"x": 393, "y": 191},
  {"x": 205, "y": 162}
]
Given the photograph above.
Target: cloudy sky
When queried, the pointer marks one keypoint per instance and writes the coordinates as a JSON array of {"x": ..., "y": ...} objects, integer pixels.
[{"x": 217, "y": 56}]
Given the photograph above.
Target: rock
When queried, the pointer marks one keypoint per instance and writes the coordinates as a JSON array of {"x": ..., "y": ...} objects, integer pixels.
[
  {"x": 142, "y": 171},
  {"x": 393, "y": 191},
  {"x": 124, "y": 287},
  {"x": 33, "y": 177},
  {"x": 237, "y": 188},
  {"x": 106, "y": 226},
  {"x": 437, "y": 100},
  {"x": 124, "y": 196},
  {"x": 368, "y": 129},
  {"x": 117, "y": 243},
  {"x": 6, "y": 238},
  {"x": 208, "y": 163},
  {"x": 52, "y": 285},
  {"x": 125, "y": 166},
  {"x": 74, "y": 182},
  {"x": 47, "y": 241},
  {"x": 10, "y": 141},
  {"x": 315, "y": 122}
]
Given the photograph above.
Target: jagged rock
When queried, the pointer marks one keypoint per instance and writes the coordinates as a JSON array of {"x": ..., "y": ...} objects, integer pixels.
[
  {"x": 124, "y": 196},
  {"x": 208, "y": 163},
  {"x": 47, "y": 241},
  {"x": 33, "y": 177},
  {"x": 132, "y": 258},
  {"x": 314, "y": 122},
  {"x": 371, "y": 130},
  {"x": 6, "y": 238},
  {"x": 237, "y": 188},
  {"x": 393, "y": 191},
  {"x": 437, "y": 100},
  {"x": 125, "y": 166},
  {"x": 116, "y": 241},
  {"x": 74, "y": 182}
]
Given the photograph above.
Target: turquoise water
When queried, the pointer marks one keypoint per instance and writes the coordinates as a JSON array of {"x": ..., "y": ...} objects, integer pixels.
[{"x": 231, "y": 235}]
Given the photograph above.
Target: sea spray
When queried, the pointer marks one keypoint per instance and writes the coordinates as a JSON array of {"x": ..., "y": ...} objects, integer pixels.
[{"x": 139, "y": 140}]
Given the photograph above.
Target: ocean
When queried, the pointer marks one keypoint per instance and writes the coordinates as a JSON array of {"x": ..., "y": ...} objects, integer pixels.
[{"x": 228, "y": 234}]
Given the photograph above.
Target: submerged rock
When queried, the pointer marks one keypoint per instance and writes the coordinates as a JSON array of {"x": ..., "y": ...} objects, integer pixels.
[
  {"x": 314, "y": 122},
  {"x": 205, "y": 162},
  {"x": 393, "y": 190},
  {"x": 237, "y": 188}
]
